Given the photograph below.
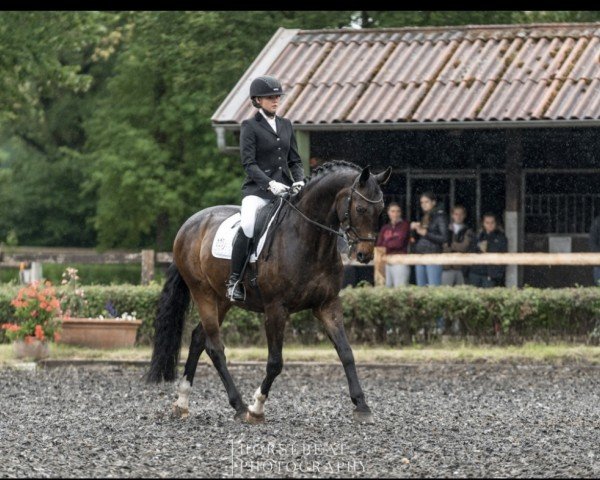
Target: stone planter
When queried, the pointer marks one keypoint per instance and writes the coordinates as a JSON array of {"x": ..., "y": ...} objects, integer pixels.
[
  {"x": 31, "y": 348},
  {"x": 97, "y": 333}
]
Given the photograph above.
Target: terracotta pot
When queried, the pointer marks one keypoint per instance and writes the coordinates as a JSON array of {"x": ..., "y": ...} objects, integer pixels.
[
  {"x": 31, "y": 348},
  {"x": 96, "y": 333}
]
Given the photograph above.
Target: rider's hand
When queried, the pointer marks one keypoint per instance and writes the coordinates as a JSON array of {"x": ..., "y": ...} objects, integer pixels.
[
  {"x": 297, "y": 186},
  {"x": 278, "y": 188}
]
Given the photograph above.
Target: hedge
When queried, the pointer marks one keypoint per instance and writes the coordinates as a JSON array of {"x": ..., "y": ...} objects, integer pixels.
[{"x": 375, "y": 315}]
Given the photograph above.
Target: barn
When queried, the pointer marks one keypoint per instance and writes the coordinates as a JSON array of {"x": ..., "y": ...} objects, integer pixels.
[{"x": 500, "y": 118}]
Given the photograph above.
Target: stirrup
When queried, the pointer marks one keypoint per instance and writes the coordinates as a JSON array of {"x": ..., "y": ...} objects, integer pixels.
[{"x": 236, "y": 291}]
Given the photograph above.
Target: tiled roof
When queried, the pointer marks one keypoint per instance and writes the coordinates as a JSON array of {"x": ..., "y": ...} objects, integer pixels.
[{"x": 480, "y": 74}]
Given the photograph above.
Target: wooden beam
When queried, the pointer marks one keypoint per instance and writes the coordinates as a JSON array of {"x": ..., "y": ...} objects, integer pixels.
[{"x": 523, "y": 258}]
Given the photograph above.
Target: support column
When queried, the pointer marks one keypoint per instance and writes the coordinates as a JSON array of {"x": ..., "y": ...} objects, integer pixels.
[
  {"x": 512, "y": 214},
  {"x": 303, "y": 140}
]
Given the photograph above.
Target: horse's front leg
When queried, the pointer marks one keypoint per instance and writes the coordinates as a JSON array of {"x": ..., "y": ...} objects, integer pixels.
[
  {"x": 275, "y": 319},
  {"x": 331, "y": 316}
]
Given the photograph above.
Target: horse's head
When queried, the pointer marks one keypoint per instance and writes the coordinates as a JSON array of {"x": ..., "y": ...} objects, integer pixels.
[{"x": 358, "y": 207}]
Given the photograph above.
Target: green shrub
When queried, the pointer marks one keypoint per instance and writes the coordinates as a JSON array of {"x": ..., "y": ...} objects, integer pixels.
[{"x": 376, "y": 315}]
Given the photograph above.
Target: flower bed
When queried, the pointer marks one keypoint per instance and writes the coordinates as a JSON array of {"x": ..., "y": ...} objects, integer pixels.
[{"x": 390, "y": 316}]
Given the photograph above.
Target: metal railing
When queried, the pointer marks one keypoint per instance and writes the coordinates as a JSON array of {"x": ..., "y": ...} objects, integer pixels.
[{"x": 560, "y": 212}]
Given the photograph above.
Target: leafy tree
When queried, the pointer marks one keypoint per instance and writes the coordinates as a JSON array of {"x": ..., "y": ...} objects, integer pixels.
[{"x": 150, "y": 140}]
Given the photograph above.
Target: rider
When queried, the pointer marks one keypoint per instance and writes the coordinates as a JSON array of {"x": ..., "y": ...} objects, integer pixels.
[{"x": 270, "y": 157}]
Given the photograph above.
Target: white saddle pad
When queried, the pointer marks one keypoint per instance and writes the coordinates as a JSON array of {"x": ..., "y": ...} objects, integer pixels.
[{"x": 223, "y": 242}]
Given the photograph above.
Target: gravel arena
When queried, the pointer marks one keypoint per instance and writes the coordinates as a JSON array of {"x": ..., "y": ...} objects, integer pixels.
[{"x": 433, "y": 420}]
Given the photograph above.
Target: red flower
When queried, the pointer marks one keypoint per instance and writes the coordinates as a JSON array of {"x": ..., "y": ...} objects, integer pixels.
[{"x": 39, "y": 332}]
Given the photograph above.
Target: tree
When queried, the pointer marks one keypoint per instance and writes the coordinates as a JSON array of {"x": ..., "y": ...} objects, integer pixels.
[{"x": 150, "y": 142}]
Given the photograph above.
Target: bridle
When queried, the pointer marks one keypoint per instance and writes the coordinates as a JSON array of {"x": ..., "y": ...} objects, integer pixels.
[
  {"x": 347, "y": 217},
  {"x": 349, "y": 228}
]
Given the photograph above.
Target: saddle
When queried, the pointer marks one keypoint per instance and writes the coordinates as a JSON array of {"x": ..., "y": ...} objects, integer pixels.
[{"x": 229, "y": 228}]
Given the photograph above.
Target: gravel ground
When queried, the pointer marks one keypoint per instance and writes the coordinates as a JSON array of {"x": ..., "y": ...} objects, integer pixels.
[{"x": 432, "y": 420}]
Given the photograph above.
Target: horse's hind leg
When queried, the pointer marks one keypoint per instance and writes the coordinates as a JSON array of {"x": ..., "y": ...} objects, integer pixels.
[
  {"x": 275, "y": 318},
  {"x": 212, "y": 311},
  {"x": 331, "y": 316},
  {"x": 181, "y": 407}
]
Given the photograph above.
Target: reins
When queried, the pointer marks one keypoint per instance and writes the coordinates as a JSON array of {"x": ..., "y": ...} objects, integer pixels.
[{"x": 357, "y": 238}]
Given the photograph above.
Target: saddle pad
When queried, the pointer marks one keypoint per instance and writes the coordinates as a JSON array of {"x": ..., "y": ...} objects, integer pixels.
[{"x": 223, "y": 242}]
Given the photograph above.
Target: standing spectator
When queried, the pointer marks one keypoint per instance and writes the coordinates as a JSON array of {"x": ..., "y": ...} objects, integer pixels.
[
  {"x": 459, "y": 241},
  {"x": 431, "y": 234},
  {"x": 595, "y": 246},
  {"x": 491, "y": 239},
  {"x": 394, "y": 236}
]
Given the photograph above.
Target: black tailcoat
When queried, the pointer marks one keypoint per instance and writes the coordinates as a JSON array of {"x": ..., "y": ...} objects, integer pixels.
[{"x": 267, "y": 155}]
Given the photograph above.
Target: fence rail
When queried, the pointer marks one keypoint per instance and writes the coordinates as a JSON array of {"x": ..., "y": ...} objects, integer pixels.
[
  {"x": 521, "y": 258},
  {"x": 149, "y": 258}
]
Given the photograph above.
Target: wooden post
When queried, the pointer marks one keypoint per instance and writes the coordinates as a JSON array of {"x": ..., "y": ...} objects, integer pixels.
[
  {"x": 147, "y": 266},
  {"x": 379, "y": 266}
]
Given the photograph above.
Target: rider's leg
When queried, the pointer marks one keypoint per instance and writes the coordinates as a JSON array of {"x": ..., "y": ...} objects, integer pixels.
[{"x": 250, "y": 205}]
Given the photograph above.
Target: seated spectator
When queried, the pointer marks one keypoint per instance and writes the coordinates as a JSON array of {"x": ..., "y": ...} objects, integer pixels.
[
  {"x": 595, "y": 246},
  {"x": 491, "y": 239},
  {"x": 460, "y": 239},
  {"x": 394, "y": 236}
]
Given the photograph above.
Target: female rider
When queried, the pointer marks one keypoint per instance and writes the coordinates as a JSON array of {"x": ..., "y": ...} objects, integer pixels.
[{"x": 269, "y": 154}]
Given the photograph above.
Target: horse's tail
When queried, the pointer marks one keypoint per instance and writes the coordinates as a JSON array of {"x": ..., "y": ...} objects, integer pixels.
[{"x": 168, "y": 327}]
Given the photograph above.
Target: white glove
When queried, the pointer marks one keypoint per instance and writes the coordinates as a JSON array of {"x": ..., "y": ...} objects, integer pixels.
[
  {"x": 297, "y": 186},
  {"x": 278, "y": 188}
]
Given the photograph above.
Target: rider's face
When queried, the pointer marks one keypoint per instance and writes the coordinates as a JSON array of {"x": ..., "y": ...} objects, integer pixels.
[{"x": 270, "y": 103}]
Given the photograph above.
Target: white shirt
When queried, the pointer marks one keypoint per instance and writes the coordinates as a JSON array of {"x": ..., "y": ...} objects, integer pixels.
[
  {"x": 456, "y": 227},
  {"x": 270, "y": 120}
]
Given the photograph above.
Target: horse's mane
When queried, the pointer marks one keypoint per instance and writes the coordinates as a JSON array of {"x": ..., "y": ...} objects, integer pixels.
[{"x": 325, "y": 170}]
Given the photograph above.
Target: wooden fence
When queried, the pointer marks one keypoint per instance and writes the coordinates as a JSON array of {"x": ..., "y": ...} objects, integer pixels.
[
  {"x": 521, "y": 258},
  {"x": 148, "y": 259},
  {"x": 16, "y": 257}
]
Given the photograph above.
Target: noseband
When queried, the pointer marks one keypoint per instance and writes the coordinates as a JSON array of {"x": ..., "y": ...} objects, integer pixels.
[{"x": 347, "y": 218}]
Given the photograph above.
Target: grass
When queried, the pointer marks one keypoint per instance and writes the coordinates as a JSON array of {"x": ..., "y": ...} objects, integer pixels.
[{"x": 451, "y": 351}]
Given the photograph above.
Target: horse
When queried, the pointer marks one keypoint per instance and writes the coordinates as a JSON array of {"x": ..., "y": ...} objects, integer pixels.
[{"x": 303, "y": 270}]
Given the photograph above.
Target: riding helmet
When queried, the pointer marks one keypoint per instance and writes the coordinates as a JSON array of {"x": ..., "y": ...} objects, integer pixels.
[{"x": 264, "y": 86}]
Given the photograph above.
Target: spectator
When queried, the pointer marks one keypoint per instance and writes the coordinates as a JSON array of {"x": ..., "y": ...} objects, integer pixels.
[
  {"x": 430, "y": 235},
  {"x": 595, "y": 246},
  {"x": 314, "y": 162},
  {"x": 460, "y": 239},
  {"x": 394, "y": 236},
  {"x": 491, "y": 239}
]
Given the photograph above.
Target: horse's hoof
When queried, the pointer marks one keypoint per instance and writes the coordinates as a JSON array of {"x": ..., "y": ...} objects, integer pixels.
[
  {"x": 253, "y": 418},
  {"x": 179, "y": 412},
  {"x": 362, "y": 416},
  {"x": 240, "y": 415}
]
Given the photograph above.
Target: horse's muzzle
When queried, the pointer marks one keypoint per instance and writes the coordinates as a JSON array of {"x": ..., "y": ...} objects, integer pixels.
[{"x": 364, "y": 257}]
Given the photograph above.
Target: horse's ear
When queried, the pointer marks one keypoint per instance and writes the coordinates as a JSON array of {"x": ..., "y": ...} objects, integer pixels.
[
  {"x": 364, "y": 176},
  {"x": 383, "y": 177}
]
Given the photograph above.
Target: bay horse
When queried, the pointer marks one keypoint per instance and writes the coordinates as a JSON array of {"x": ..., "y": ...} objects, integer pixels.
[{"x": 303, "y": 270}]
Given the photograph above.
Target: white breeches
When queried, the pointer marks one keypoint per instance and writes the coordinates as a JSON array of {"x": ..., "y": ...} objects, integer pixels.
[{"x": 251, "y": 204}]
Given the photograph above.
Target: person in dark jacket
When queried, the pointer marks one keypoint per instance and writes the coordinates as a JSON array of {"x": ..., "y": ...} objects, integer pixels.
[
  {"x": 460, "y": 237},
  {"x": 595, "y": 246},
  {"x": 269, "y": 155},
  {"x": 491, "y": 239},
  {"x": 394, "y": 236},
  {"x": 430, "y": 235}
]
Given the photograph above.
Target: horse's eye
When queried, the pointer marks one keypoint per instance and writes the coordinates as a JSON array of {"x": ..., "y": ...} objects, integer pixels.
[{"x": 360, "y": 209}]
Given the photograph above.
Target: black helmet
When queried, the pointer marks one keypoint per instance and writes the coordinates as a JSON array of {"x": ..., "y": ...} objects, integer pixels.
[{"x": 264, "y": 86}]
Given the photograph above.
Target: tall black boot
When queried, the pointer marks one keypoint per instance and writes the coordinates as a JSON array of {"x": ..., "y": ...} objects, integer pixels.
[{"x": 235, "y": 288}]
